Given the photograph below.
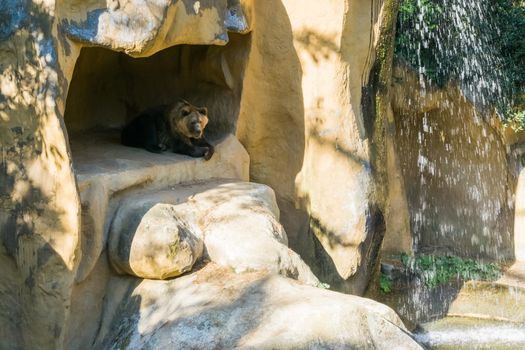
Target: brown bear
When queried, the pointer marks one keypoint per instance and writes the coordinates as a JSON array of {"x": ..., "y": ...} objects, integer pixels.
[{"x": 178, "y": 127}]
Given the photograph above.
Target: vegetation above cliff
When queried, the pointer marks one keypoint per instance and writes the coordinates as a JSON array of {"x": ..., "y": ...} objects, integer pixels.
[{"x": 480, "y": 44}]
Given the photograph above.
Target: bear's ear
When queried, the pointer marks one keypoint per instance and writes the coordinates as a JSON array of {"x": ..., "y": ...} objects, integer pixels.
[{"x": 203, "y": 110}]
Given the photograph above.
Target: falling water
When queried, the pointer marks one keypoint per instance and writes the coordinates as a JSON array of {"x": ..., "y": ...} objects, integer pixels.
[
  {"x": 456, "y": 334},
  {"x": 453, "y": 160},
  {"x": 455, "y": 42}
]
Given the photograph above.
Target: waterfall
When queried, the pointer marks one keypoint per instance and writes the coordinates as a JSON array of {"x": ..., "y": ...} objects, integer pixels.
[{"x": 455, "y": 40}]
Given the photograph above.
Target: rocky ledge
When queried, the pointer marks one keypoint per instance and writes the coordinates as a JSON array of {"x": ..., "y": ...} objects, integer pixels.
[{"x": 216, "y": 308}]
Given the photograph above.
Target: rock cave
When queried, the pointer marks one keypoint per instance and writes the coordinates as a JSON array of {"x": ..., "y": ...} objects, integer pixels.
[
  {"x": 357, "y": 193},
  {"x": 109, "y": 88}
]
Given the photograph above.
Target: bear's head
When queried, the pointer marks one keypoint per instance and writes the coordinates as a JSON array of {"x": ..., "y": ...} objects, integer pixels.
[{"x": 187, "y": 119}]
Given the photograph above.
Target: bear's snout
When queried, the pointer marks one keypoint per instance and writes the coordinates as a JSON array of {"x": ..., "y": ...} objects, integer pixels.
[{"x": 196, "y": 129}]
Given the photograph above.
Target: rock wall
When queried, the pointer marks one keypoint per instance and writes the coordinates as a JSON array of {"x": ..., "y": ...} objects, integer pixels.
[
  {"x": 515, "y": 141},
  {"x": 456, "y": 172},
  {"x": 310, "y": 116},
  {"x": 309, "y": 129},
  {"x": 519, "y": 218},
  {"x": 40, "y": 217}
]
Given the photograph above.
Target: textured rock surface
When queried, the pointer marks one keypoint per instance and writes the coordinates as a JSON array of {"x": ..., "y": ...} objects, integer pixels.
[
  {"x": 217, "y": 309},
  {"x": 239, "y": 222},
  {"x": 314, "y": 142},
  {"x": 106, "y": 170},
  {"x": 39, "y": 203},
  {"x": 141, "y": 28},
  {"x": 242, "y": 231},
  {"x": 455, "y": 170},
  {"x": 498, "y": 300},
  {"x": 519, "y": 218},
  {"x": 48, "y": 230},
  {"x": 155, "y": 244}
]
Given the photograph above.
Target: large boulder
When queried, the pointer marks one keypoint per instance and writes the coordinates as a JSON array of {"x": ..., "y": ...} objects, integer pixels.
[
  {"x": 218, "y": 309},
  {"x": 105, "y": 171},
  {"x": 155, "y": 244},
  {"x": 137, "y": 27},
  {"x": 242, "y": 231},
  {"x": 239, "y": 222}
]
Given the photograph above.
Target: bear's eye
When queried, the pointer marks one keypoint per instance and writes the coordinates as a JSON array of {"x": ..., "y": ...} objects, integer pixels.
[{"x": 185, "y": 113}]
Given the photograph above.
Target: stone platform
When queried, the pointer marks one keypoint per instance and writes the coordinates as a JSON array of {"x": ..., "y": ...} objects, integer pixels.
[
  {"x": 99, "y": 157},
  {"x": 106, "y": 171},
  {"x": 502, "y": 300}
]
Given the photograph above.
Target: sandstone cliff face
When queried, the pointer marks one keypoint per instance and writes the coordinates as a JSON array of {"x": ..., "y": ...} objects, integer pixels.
[
  {"x": 519, "y": 218},
  {"x": 294, "y": 98},
  {"x": 40, "y": 216},
  {"x": 311, "y": 132},
  {"x": 39, "y": 219}
]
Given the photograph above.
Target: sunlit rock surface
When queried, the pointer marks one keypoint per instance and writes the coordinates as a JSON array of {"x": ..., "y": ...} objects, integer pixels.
[
  {"x": 40, "y": 211},
  {"x": 215, "y": 308},
  {"x": 141, "y": 28},
  {"x": 237, "y": 220},
  {"x": 297, "y": 109},
  {"x": 519, "y": 218},
  {"x": 502, "y": 300},
  {"x": 486, "y": 300},
  {"x": 106, "y": 169},
  {"x": 453, "y": 333},
  {"x": 313, "y": 144},
  {"x": 155, "y": 244},
  {"x": 242, "y": 231}
]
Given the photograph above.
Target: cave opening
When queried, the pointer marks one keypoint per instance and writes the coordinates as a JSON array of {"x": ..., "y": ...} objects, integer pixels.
[{"x": 110, "y": 88}]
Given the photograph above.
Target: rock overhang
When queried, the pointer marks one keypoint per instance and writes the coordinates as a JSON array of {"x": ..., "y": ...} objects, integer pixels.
[{"x": 141, "y": 28}]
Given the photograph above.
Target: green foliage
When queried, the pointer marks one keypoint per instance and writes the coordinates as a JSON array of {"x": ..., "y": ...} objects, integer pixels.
[
  {"x": 409, "y": 45},
  {"x": 323, "y": 285},
  {"x": 516, "y": 118},
  {"x": 510, "y": 17},
  {"x": 433, "y": 39},
  {"x": 385, "y": 283},
  {"x": 438, "y": 270}
]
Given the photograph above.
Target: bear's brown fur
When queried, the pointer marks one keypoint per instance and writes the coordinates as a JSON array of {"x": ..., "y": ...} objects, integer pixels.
[{"x": 179, "y": 127}]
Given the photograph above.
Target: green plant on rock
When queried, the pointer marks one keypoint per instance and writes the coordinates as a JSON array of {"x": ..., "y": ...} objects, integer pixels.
[
  {"x": 385, "y": 283},
  {"x": 510, "y": 19},
  {"x": 438, "y": 270},
  {"x": 516, "y": 119}
]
